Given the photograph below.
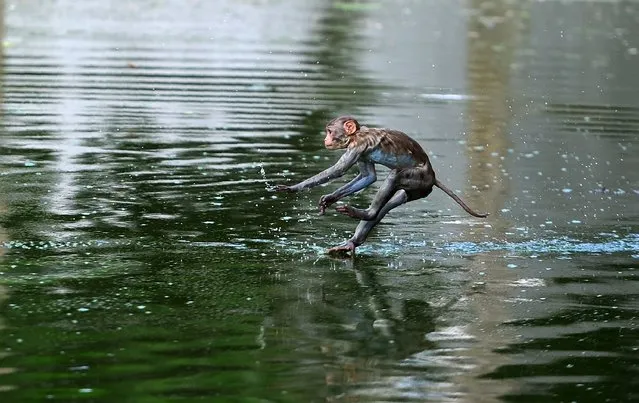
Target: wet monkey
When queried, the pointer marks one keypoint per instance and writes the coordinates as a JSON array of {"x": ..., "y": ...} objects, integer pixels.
[{"x": 411, "y": 176}]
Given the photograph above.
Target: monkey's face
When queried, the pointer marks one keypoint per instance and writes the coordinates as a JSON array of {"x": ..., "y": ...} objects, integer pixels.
[
  {"x": 335, "y": 138},
  {"x": 339, "y": 132}
]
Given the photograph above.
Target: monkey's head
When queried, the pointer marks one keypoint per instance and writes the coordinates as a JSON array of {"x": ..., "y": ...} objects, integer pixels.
[{"x": 339, "y": 132}]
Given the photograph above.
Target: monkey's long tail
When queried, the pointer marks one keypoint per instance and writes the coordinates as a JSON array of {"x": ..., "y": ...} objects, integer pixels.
[{"x": 458, "y": 200}]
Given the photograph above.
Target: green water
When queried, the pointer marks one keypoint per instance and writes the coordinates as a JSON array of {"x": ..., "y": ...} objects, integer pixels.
[{"x": 143, "y": 259}]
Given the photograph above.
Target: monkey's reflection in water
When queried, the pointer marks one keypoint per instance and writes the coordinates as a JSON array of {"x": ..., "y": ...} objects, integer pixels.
[{"x": 388, "y": 333}]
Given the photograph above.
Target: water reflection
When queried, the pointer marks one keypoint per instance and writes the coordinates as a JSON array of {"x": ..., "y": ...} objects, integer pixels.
[
  {"x": 495, "y": 31},
  {"x": 371, "y": 328},
  {"x": 143, "y": 259},
  {"x": 3, "y": 202}
]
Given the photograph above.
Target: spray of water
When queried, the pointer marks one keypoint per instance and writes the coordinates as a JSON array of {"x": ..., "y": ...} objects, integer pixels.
[{"x": 269, "y": 187}]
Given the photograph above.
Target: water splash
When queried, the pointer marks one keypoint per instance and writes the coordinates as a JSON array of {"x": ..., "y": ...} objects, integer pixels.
[
  {"x": 268, "y": 186},
  {"x": 561, "y": 245},
  {"x": 557, "y": 246},
  {"x": 47, "y": 245}
]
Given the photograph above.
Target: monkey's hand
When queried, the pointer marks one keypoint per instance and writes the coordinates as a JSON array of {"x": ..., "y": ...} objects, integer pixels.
[
  {"x": 325, "y": 202},
  {"x": 282, "y": 188}
]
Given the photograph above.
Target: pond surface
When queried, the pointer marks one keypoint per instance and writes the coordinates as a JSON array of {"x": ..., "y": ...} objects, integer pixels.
[{"x": 142, "y": 258}]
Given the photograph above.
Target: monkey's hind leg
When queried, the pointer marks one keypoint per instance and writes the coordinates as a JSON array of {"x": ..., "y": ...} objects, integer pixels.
[
  {"x": 365, "y": 226},
  {"x": 381, "y": 198}
]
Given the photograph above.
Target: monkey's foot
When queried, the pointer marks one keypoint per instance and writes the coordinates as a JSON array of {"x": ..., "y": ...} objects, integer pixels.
[
  {"x": 343, "y": 250},
  {"x": 353, "y": 212}
]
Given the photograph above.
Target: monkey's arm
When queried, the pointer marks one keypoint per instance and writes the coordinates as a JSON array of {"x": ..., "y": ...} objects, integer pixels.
[
  {"x": 365, "y": 178},
  {"x": 347, "y": 160}
]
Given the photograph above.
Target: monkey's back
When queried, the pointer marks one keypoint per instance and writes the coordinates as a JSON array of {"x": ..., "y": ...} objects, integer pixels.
[{"x": 392, "y": 148}]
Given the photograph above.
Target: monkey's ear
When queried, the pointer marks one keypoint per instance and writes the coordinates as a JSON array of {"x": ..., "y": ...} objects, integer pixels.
[{"x": 350, "y": 127}]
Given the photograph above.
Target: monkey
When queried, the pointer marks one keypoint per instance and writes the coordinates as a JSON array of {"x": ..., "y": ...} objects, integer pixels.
[{"x": 411, "y": 175}]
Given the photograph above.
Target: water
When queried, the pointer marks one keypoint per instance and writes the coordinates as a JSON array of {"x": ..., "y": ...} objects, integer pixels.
[{"x": 143, "y": 258}]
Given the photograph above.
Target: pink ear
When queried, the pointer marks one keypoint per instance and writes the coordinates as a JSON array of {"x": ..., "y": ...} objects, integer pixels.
[{"x": 350, "y": 127}]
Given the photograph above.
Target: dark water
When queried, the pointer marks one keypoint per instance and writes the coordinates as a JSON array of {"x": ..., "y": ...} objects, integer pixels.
[{"x": 143, "y": 260}]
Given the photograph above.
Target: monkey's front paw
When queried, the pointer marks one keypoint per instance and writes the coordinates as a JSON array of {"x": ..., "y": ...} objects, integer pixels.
[
  {"x": 325, "y": 202},
  {"x": 282, "y": 188},
  {"x": 346, "y": 209}
]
